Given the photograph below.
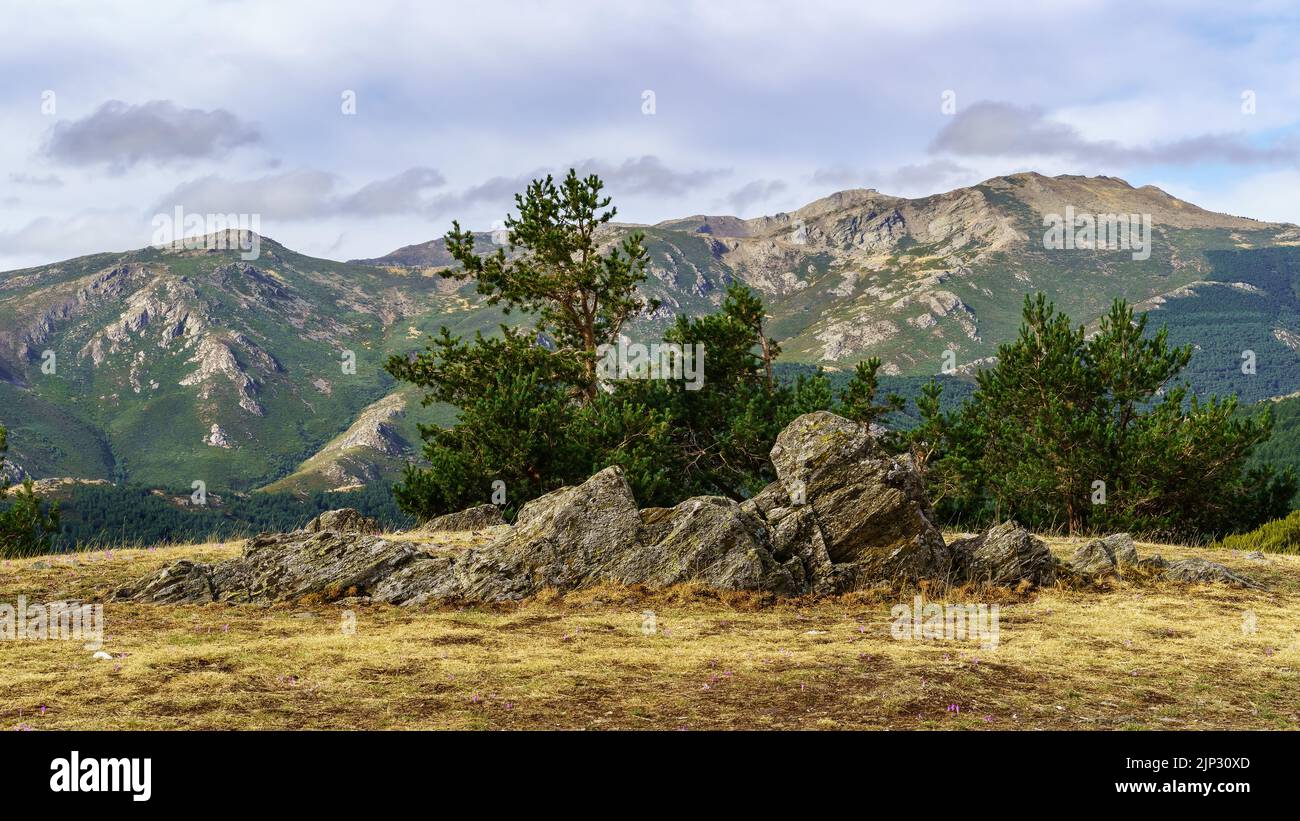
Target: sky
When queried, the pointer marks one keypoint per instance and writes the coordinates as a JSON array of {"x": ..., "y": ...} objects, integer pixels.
[{"x": 353, "y": 129}]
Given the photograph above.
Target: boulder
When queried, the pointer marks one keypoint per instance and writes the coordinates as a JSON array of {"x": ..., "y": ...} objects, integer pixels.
[
  {"x": 183, "y": 581},
  {"x": 870, "y": 507},
  {"x": 1092, "y": 559},
  {"x": 706, "y": 539},
  {"x": 1004, "y": 554},
  {"x": 474, "y": 518},
  {"x": 343, "y": 520},
  {"x": 327, "y": 564},
  {"x": 1105, "y": 555},
  {"x": 1204, "y": 571},
  {"x": 1122, "y": 548},
  {"x": 561, "y": 540},
  {"x": 842, "y": 514}
]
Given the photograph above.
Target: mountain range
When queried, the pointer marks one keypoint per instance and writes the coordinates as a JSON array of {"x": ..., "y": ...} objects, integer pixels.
[{"x": 169, "y": 365}]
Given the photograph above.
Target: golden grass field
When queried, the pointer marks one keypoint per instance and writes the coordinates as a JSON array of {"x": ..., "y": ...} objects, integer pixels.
[{"x": 1124, "y": 654}]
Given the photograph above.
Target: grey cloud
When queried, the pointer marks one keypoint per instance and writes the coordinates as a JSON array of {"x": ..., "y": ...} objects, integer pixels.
[
  {"x": 636, "y": 175},
  {"x": 399, "y": 194},
  {"x": 995, "y": 129},
  {"x": 46, "y": 181},
  {"x": 648, "y": 175},
  {"x": 290, "y": 195},
  {"x": 120, "y": 135},
  {"x": 305, "y": 194},
  {"x": 754, "y": 192},
  {"x": 931, "y": 176}
]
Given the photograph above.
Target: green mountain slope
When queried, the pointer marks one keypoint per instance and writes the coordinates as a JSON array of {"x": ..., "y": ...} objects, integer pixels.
[{"x": 177, "y": 365}]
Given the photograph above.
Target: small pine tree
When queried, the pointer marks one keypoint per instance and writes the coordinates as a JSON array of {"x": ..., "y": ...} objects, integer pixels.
[{"x": 27, "y": 526}]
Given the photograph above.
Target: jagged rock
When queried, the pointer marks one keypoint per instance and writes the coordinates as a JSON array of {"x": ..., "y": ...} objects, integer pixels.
[
  {"x": 559, "y": 540},
  {"x": 1203, "y": 571},
  {"x": 343, "y": 520},
  {"x": 708, "y": 539},
  {"x": 184, "y": 581},
  {"x": 842, "y": 515},
  {"x": 474, "y": 518},
  {"x": 1105, "y": 555},
  {"x": 870, "y": 507},
  {"x": 1093, "y": 559},
  {"x": 330, "y": 564},
  {"x": 1004, "y": 554},
  {"x": 1122, "y": 548},
  {"x": 798, "y": 544}
]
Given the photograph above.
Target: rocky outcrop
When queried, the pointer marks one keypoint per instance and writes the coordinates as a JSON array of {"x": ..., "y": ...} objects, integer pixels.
[
  {"x": 328, "y": 564},
  {"x": 474, "y": 518},
  {"x": 345, "y": 520},
  {"x": 1004, "y": 554},
  {"x": 842, "y": 515},
  {"x": 1202, "y": 571},
  {"x": 869, "y": 507}
]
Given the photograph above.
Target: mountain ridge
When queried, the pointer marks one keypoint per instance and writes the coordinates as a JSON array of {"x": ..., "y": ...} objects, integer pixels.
[{"x": 177, "y": 364}]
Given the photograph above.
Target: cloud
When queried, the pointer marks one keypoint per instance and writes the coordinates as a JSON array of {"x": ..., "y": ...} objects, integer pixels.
[
  {"x": 47, "y": 181},
  {"x": 120, "y": 135},
  {"x": 645, "y": 175},
  {"x": 996, "y": 129},
  {"x": 913, "y": 179},
  {"x": 300, "y": 194},
  {"x": 648, "y": 175},
  {"x": 754, "y": 192},
  {"x": 399, "y": 194},
  {"x": 305, "y": 194}
]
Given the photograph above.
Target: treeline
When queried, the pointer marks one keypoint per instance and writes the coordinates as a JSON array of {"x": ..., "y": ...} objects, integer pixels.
[{"x": 108, "y": 515}]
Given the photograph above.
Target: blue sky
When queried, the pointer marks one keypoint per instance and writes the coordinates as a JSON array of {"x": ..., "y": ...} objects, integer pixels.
[{"x": 115, "y": 112}]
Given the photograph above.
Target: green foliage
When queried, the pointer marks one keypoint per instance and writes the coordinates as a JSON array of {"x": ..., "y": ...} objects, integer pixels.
[
  {"x": 113, "y": 515},
  {"x": 27, "y": 525},
  {"x": 1063, "y": 418},
  {"x": 1277, "y": 536},
  {"x": 581, "y": 297}
]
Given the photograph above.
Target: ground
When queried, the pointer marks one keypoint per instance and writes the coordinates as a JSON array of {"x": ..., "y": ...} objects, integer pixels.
[{"x": 1125, "y": 654}]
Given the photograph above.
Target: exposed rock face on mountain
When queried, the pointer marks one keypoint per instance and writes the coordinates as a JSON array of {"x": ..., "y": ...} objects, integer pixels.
[{"x": 372, "y": 447}]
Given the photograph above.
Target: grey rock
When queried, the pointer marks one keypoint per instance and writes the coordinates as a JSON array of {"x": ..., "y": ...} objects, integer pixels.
[
  {"x": 327, "y": 564},
  {"x": 1105, "y": 555},
  {"x": 1122, "y": 548},
  {"x": 560, "y": 540},
  {"x": 1004, "y": 554},
  {"x": 343, "y": 520},
  {"x": 797, "y": 542},
  {"x": 1204, "y": 571},
  {"x": 1256, "y": 556},
  {"x": 1092, "y": 559},
  {"x": 183, "y": 581},
  {"x": 843, "y": 514},
  {"x": 870, "y": 507},
  {"x": 707, "y": 539},
  {"x": 474, "y": 518}
]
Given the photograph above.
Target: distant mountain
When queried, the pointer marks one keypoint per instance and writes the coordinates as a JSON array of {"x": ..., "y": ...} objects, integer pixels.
[{"x": 176, "y": 365}]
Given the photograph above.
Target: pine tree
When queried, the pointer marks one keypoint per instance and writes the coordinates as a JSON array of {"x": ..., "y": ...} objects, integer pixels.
[{"x": 27, "y": 526}]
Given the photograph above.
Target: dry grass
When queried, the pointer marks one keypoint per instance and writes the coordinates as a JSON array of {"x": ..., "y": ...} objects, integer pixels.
[{"x": 1134, "y": 653}]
